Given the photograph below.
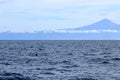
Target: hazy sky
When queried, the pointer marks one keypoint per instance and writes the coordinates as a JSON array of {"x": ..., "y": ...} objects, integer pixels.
[{"x": 36, "y": 15}]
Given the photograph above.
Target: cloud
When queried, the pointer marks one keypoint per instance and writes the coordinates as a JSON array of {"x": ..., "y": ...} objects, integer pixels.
[
  {"x": 59, "y": 4},
  {"x": 4, "y": 1},
  {"x": 76, "y": 3},
  {"x": 86, "y": 31}
]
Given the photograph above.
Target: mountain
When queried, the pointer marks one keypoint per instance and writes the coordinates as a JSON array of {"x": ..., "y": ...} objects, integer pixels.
[
  {"x": 104, "y": 24},
  {"x": 101, "y": 30}
]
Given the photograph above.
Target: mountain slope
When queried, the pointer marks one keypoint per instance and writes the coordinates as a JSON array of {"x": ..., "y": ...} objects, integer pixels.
[{"x": 104, "y": 24}]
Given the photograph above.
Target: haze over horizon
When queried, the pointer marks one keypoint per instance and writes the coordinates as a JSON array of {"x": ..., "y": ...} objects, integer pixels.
[{"x": 37, "y": 15}]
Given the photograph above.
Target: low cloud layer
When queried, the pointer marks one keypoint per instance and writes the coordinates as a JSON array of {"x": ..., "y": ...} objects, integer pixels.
[{"x": 85, "y": 31}]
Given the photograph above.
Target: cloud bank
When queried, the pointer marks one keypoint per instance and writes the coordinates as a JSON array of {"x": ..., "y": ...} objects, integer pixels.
[{"x": 85, "y": 31}]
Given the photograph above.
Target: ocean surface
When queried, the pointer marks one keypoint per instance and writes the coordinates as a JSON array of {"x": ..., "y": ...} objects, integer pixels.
[{"x": 60, "y": 60}]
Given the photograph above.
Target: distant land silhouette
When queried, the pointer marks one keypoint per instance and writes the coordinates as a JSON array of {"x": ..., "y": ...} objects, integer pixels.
[
  {"x": 104, "y": 24},
  {"x": 101, "y": 30}
]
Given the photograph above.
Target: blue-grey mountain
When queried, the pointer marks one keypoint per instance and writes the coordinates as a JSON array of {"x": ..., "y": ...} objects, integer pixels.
[
  {"x": 104, "y": 24},
  {"x": 101, "y": 30}
]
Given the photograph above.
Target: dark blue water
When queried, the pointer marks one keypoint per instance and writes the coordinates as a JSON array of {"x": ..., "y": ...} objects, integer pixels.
[{"x": 60, "y": 60}]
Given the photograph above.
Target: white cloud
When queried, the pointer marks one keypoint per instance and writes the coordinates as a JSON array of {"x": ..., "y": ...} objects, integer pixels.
[
  {"x": 74, "y": 3},
  {"x": 86, "y": 31},
  {"x": 57, "y": 4},
  {"x": 4, "y": 1}
]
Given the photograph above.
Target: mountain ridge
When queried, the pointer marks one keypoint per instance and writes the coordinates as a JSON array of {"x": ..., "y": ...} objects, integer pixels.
[
  {"x": 101, "y": 30},
  {"x": 104, "y": 24}
]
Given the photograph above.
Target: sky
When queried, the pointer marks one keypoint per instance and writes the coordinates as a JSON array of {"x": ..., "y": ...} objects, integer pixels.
[{"x": 40, "y": 15}]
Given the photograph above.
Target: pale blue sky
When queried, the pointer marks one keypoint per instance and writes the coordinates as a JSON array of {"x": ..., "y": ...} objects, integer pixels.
[{"x": 37, "y": 15}]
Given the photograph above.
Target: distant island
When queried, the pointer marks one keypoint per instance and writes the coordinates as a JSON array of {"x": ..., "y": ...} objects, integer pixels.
[{"x": 101, "y": 30}]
